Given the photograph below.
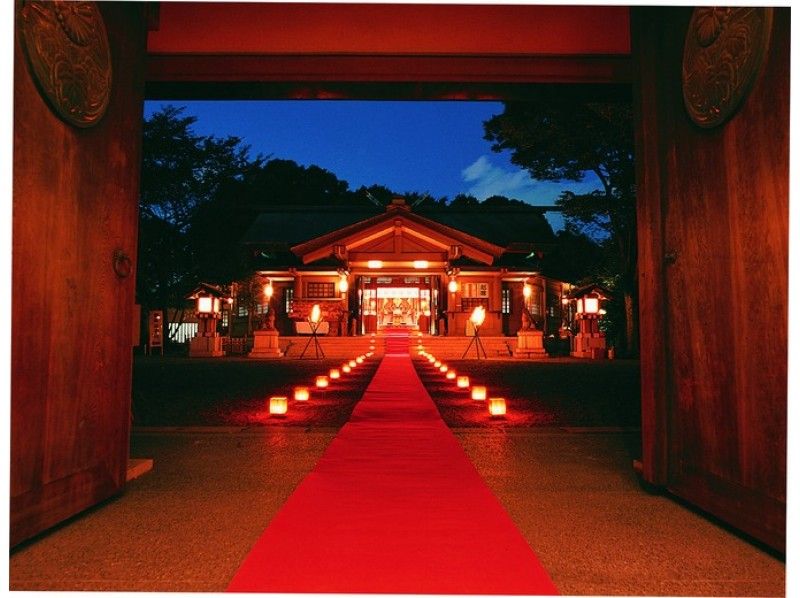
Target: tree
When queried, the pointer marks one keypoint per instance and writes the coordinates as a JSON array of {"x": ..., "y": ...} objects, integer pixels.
[
  {"x": 557, "y": 138},
  {"x": 182, "y": 172}
]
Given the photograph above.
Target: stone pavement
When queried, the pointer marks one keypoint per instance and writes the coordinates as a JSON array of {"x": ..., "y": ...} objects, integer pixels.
[{"x": 187, "y": 524}]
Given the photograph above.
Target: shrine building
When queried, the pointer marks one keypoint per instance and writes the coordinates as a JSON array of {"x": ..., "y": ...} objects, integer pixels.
[{"x": 423, "y": 270}]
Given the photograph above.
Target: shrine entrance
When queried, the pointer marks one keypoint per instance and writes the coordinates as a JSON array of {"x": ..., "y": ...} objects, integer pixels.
[{"x": 398, "y": 301}]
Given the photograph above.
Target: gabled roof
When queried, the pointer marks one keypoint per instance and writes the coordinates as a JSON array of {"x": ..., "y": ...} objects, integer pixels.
[
  {"x": 514, "y": 229},
  {"x": 398, "y": 215},
  {"x": 291, "y": 225}
]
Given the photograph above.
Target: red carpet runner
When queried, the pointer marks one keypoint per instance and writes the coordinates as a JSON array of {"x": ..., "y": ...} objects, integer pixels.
[{"x": 393, "y": 506}]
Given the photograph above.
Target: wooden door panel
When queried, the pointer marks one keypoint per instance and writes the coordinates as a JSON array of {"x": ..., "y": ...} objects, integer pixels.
[
  {"x": 713, "y": 213},
  {"x": 75, "y": 207}
]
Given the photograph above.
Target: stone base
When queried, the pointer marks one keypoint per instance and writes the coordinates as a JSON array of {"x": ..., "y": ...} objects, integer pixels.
[
  {"x": 265, "y": 345},
  {"x": 530, "y": 343},
  {"x": 589, "y": 346},
  {"x": 206, "y": 346}
]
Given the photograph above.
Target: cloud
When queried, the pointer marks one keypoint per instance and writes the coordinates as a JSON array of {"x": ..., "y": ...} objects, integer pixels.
[{"x": 485, "y": 179}]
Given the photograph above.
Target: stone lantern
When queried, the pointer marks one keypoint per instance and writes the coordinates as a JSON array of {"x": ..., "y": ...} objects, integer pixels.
[
  {"x": 590, "y": 341},
  {"x": 208, "y": 309}
]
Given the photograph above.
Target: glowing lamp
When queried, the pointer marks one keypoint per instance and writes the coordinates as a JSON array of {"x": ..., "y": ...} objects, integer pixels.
[
  {"x": 373, "y": 334},
  {"x": 478, "y": 393},
  {"x": 278, "y": 405},
  {"x": 300, "y": 393},
  {"x": 452, "y": 286},
  {"x": 591, "y": 305},
  {"x": 437, "y": 364},
  {"x": 346, "y": 369},
  {"x": 497, "y": 407},
  {"x": 478, "y": 316},
  {"x": 443, "y": 368},
  {"x": 527, "y": 291},
  {"x": 375, "y": 264},
  {"x": 316, "y": 314},
  {"x": 207, "y": 305},
  {"x": 322, "y": 382},
  {"x": 420, "y": 264},
  {"x": 462, "y": 382},
  {"x": 352, "y": 363},
  {"x": 360, "y": 359},
  {"x": 451, "y": 375},
  {"x": 334, "y": 374},
  {"x": 268, "y": 290},
  {"x": 431, "y": 358},
  {"x": 343, "y": 285},
  {"x": 370, "y": 354}
]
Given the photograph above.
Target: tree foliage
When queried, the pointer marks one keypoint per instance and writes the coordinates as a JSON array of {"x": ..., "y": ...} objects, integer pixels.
[{"x": 558, "y": 139}]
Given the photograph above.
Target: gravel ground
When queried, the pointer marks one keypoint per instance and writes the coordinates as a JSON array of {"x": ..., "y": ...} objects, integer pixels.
[{"x": 176, "y": 391}]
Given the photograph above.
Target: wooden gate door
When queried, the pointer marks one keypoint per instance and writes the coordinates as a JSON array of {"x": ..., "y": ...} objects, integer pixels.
[
  {"x": 713, "y": 263},
  {"x": 74, "y": 247}
]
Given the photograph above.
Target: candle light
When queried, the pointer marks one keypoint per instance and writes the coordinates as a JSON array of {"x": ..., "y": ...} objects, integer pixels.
[
  {"x": 479, "y": 393},
  {"x": 322, "y": 382},
  {"x": 300, "y": 393},
  {"x": 497, "y": 407},
  {"x": 278, "y": 405},
  {"x": 462, "y": 382}
]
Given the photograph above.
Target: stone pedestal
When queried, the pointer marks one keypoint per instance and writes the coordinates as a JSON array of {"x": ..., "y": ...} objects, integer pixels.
[
  {"x": 589, "y": 346},
  {"x": 265, "y": 345},
  {"x": 530, "y": 343},
  {"x": 206, "y": 346}
]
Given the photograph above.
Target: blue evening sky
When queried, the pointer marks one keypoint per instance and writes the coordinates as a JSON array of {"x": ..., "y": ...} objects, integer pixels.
[{"x": 435, "y": 147}]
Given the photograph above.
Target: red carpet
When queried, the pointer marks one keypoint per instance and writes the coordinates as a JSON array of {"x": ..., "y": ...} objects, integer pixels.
[{"x": 393, "y": 506}]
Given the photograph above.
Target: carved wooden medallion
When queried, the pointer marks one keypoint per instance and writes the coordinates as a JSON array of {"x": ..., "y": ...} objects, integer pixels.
[
  {"x": 722, "y": 56},
  {"x": 66, "y": 45}
]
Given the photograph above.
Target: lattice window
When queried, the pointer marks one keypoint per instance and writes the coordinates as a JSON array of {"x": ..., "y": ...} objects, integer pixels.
[
  {"x": 470, "y": 303},
  {"x": 505, "y": 303},
  {"x": 320, "y": 290},
  {"x": 288, "y": 300}
]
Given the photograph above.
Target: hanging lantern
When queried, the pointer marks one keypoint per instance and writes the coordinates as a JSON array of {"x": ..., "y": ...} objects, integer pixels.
[
  {"x": 343, "y": 284},
  {"x": 452, "y": 286},
  {"x": 334, "y": 374},
  {"x": 462, "y": 382},
  {"x": 322, "y": 382},
  {"x": 278, "y": 405},
  {"x": 268, "y": 290},
  {"x": 527, "y": 291},
  {"x": 301, "y": 393},
  {"x": 478, "y": 393},
  {"x": 497, "y": 407},
  {"x": 451, "y": 375}
]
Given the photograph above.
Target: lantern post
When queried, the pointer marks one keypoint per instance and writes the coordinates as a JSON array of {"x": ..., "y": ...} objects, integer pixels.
[
  {"x": 207, "y": 342},
  {"x": 477, "y": 318},
  {"x": 590, "y": 341},
  {"x": 314, "y": 319}
]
